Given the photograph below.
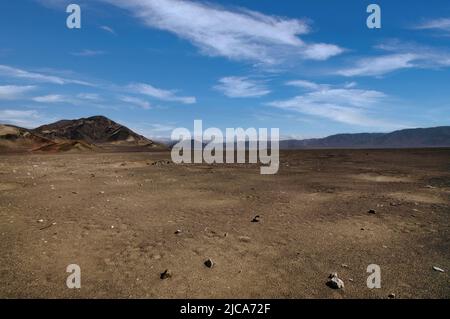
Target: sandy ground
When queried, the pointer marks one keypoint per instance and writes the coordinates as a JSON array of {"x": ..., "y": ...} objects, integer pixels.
[{"x": 116, "y": 216}]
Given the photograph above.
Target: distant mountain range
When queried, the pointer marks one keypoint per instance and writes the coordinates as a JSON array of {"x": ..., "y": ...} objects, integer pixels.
[
  {"x": 409, "y": 138},
  {"x": 99, "y": 133},
  {"x": 96, "y": 133}
]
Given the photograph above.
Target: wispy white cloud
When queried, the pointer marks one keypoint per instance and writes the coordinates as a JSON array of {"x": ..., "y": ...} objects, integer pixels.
[
  {"x": 76, "y": 99},
  {"x": 241, "y": 87},
  {"x": 108, "y": 29},
  {"x": 136, "y": 101},
  {"x": 88, "y": 53},
  {"x": 344, "y": 105},
  {"x": 321, "y": 51},
  {"x": 94, "y": 97},
  {"x": 440, "y": 24},
  {"x": 306, "y": 84},
  {"x": 312, "y": 86},
  {"x": 91, "y": 99},
  {"x": 380, "y": 65},
  {"x": 426, "y": 56},
  {"x": 164, "y": 95},
  {"x": 396, "y": 56},
  {"x": 52, "y": 98},
  {"x": 22, "y": 118},
  {"x": 350, "y": 85},
  {"x": 13, "y": 92},
  {"x": 11, "y": 72},
  {"x": 238, "y": 34}
]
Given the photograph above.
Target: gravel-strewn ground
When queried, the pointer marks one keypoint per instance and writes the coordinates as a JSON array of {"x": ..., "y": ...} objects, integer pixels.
[{"x": 116, "y": 216}]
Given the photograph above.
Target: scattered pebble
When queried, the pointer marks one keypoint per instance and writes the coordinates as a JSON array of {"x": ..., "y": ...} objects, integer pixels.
[
  {"x": 438, "y": 269},
  {"x": 391, "y": 296},
  {"x": 372, "y": 211},
  {"x": 166, "y": 274},
  {"x": 334, "y": 282},
  {"x": 256, "y": 219},
  {"x": 178, "y": 231},
  {"x": 209, "y": 263},
  {"x": 245, "y": 239},
  {"x": 40, "y": 221}
]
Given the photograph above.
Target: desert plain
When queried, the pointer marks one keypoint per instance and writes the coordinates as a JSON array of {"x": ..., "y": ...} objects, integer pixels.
[{"x": 125, "y": 218}]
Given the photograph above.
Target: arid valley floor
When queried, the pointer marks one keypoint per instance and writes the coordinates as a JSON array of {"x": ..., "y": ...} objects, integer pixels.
[{"x": 116, "y": 215}]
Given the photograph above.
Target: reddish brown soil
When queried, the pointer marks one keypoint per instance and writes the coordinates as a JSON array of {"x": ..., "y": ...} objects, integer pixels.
[{"x": 116, "y": 216}]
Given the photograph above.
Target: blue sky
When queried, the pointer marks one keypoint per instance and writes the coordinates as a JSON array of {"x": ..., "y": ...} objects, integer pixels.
[{"x": 310, "y": 68}]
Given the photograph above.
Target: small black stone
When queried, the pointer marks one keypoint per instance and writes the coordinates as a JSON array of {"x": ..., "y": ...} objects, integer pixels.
[
  {"x": 166, "y": 274},
  {"x": 256, "y": 219},
  {"x": 209, "y": 263}
]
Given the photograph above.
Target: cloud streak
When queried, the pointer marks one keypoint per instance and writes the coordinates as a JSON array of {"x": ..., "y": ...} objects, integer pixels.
[
  {"x": 398, "y": 56},
  {"x": 441, "y": 25},
  {"x": 17, "y": 73},
  {"x": 136, "y": 101},
  {"x": 22, "y": 118},
  {"x": 376, "y": 66},
  {"x": 241, "y": 87},
  {"x": 108, "y": 29},
  {"x": 238, "y": 34},
  {"x": 160, "y": 94},
  {"x": 339, "y": 104},
  {"x": 93, "y": 97},
  {"x": 14, "y": 92},
  {"x": 52, "y": 98},
  {"x": 306, "y": 84},
  {"x": 88, "y": 53}
]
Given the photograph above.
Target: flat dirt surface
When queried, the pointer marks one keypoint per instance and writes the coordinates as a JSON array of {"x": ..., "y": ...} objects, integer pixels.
[{"x": 116, "y": 216}]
